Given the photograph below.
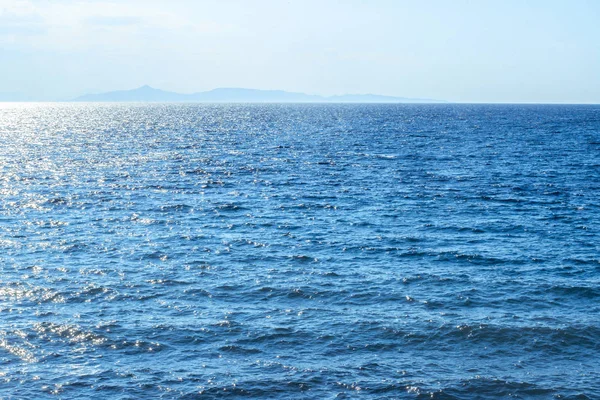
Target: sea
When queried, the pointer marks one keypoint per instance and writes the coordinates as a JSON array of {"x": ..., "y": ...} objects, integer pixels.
[{"x": 299, "y": 251}]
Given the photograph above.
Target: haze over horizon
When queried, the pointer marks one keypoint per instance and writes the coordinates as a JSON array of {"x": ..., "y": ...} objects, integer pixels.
[
  {"x": 147, "y": 93},
  {"x": 459, "y": 51}
]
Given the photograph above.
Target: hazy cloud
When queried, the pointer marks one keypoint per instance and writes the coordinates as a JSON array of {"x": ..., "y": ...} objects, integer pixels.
[{"x": 103, "y": 20}]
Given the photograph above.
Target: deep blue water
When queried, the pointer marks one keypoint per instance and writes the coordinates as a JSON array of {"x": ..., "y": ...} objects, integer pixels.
[{"x": 299, "y": 251}]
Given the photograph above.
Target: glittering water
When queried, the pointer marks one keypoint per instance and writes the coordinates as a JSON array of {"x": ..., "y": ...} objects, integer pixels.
[{"x": 299, "y": 251}]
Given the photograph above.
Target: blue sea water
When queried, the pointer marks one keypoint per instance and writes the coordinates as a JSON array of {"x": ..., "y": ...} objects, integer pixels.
[{"x": 299, "y": 251}]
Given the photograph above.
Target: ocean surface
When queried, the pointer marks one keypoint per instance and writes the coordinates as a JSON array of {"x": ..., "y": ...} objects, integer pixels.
[{"x": 162, "y": 251}]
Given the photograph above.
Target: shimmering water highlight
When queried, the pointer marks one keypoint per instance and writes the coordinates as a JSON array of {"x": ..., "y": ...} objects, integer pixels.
[{"x": 299, "y": 251}]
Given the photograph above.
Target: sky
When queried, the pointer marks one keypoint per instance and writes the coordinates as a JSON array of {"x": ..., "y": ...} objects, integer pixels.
[{"x": 532, "y": 51}]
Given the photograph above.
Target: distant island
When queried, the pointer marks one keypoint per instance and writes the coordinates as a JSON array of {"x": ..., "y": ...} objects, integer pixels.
[{"x": 237, "y": 95}]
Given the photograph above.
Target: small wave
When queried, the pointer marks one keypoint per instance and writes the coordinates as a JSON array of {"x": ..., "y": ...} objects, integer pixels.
[
  {"x": 493, "y": 388},
  {"x": 18, "y": 351},
  {"x": 560, "y": 291},
  {"x": 72, "y": 333},
  {"x": 36, "y": 294},
  {"x": 239, "y": 350},
  {"x": 175, "y": 207}
]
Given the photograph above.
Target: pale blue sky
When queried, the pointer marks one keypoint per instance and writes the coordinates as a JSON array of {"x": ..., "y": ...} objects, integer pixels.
[{"x": 456, "y": 50}]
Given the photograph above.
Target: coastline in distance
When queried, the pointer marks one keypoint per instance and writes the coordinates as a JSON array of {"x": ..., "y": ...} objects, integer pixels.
[{"x": 238, "y": 95}]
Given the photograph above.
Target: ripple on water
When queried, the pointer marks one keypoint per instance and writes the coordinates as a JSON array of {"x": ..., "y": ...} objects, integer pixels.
[{"x": 299, "y": 251}]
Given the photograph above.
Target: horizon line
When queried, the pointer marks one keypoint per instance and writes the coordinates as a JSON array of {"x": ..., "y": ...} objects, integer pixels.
[{"x": 446, "y": 102}]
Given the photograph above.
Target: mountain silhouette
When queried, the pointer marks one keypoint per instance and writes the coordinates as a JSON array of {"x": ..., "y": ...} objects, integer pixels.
[{"x": 239, "y": 95}]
